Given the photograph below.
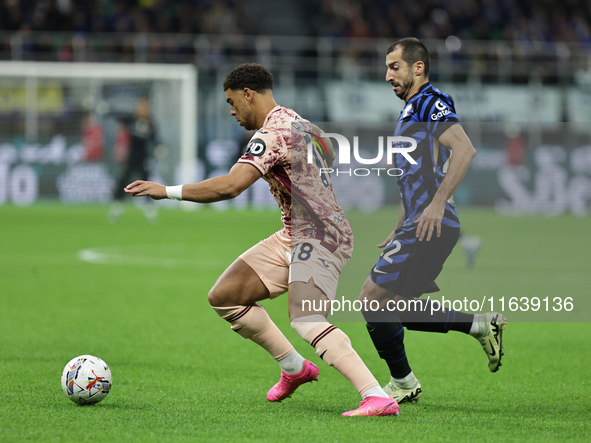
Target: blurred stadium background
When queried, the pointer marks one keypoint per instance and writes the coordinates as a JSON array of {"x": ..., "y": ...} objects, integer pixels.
[{"x": 519, "y": 71}]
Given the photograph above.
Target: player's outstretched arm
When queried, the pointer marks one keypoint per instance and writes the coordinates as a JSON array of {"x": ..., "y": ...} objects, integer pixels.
[
  {"x": 140, "y": 188},
  {"x": 462, "y": 154},
  {"x": 224, "y": 187}
]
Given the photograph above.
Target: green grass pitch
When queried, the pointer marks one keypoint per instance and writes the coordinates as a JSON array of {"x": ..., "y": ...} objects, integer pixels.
[{"x": 181, "y": 374}]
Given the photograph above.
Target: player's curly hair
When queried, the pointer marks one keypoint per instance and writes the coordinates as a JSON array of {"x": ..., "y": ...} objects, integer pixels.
[
  {"x": 249, "y": 75},
  {"x": 412, "y": 51}
]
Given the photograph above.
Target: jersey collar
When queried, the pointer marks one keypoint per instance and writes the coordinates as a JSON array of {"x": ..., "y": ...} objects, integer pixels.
[
  {"x": 420, "y": 91},
  {"x": 276, "y": 108}
]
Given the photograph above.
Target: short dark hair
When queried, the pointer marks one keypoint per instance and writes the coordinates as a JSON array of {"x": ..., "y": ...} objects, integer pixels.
[
  {"x": 412, "y": 51},
  {"x": 249, "y": 75}
]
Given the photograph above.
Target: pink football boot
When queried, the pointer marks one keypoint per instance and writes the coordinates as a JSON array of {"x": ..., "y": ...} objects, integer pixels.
[
  {"x": 375, "y": 406},
  {"x": 290, "y": 382}
]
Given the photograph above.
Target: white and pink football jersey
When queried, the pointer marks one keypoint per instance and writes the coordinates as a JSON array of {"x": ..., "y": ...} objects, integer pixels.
[{"x": 309, "y": 208}]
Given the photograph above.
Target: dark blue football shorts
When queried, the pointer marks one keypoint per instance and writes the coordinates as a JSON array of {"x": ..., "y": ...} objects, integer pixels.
[{"x": 408, "y": 267}]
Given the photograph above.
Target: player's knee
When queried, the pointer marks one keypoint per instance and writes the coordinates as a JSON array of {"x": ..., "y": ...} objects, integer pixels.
[
  {"x": 224, "y": 295},
  {"x": 367, "y": 292},
  {"x": 220, "y": 296},
  {"x": 307, "y": 299},
  {"x": 303, "y": 325},
  {"x": 214, "y": 297}
]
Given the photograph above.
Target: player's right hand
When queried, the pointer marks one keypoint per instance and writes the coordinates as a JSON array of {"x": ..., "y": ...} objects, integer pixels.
[{"x": 141, "y": 188}]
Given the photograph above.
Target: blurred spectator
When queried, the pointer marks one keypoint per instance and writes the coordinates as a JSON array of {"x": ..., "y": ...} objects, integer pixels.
[
  {"x": 534, "y": 20},
  {"x": 122, "y": 142},
  {"x": 92, "y": 139},
  {"x": 513, "y": 21},
  {"x": 515, "y": 145},
  {"x": 542, "y": 20},
  {"x": 137, "y": 135}
]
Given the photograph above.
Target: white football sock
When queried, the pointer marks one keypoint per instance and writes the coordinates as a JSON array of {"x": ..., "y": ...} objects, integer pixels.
[
  {"x": 293, "y": 363},
  {"x": 374, "y": 391},
  {"x": 408, "y": 382},
  {"x": 477, "y": 326}
]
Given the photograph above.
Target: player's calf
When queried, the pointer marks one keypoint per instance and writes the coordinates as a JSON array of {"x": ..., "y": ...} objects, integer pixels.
[{"x": 253, "y": 322}]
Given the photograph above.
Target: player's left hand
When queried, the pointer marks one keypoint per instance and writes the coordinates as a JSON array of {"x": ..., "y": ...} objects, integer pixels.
[
  {"x": 430, "y": 221},
  {"x": 140, "y": 188}
]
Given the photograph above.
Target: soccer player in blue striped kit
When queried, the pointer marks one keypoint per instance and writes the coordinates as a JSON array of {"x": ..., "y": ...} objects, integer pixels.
[{"x": 428, "y": 228}]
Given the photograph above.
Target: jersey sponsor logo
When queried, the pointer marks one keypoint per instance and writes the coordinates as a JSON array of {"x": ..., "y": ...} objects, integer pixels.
[
  {"x": 256, "y": 148},
  {"x": 443, "y": 110},
  {"x": 260, "y": 131},
  {"x": 339, "y": 218}
]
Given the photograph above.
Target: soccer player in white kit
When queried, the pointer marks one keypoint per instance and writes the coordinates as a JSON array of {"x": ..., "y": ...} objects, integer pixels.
[{"x": 305, "y": 258}]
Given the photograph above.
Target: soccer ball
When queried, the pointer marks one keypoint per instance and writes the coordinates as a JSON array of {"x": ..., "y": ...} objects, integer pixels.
[{"x": 86, "y": 380}]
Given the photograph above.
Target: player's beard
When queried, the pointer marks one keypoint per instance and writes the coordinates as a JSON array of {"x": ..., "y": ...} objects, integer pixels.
[
  {"x": 247, "y": 120},
  {"x": 405, "y": 86}
]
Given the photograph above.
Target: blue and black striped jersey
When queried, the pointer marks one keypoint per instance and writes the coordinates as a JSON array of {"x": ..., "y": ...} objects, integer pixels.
[{"x": 426, "y": 115}]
